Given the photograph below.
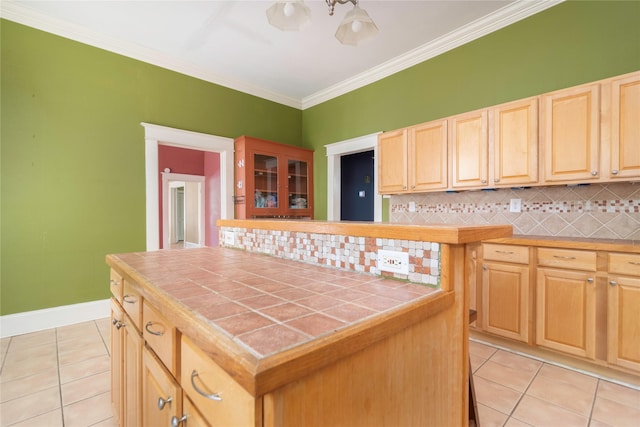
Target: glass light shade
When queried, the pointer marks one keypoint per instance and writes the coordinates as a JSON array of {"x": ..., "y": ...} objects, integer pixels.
[
  {"x": 355, "y": 27},
  {"x": 289, "y": 15}
]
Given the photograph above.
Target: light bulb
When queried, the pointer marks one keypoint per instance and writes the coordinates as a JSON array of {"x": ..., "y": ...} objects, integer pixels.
[
  {"x": 356, "y": 26},
  {"x": 289, "y": 9}
]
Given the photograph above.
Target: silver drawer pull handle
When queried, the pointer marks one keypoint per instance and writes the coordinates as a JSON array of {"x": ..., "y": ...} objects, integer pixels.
[
  {"x": 113, "y": 282},
  {"x": 634, "y": 263},
  {"x": 158, "y": 334},
  {"x": 212, "y": 396},
  {"x": 505, "y": 252},
  {"x": 564, "y": 257},
  {"x": 163, "y": 402},
  {"x": 175, "y": 421},
  {"x": 131, "y": 299}
]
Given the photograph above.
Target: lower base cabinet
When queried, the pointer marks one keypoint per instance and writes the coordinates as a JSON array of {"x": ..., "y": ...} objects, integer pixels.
[
  {"x": 161, "y": 394},
  {"x": 624, "y": 322}
]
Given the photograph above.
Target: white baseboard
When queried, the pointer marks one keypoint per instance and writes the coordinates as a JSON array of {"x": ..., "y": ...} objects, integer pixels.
[{"x": 38, "y": 320}]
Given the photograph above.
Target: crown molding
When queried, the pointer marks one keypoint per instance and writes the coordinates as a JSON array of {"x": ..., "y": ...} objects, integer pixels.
[
  {"x": 501, "y": 18},
  {"x": 514, "y": 12}
]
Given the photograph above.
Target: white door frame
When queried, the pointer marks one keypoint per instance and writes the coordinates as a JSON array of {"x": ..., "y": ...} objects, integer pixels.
[
  {"x": 155, "y": 135},
  {"x": 342, "y": 148},
  {"x": 167, "y": 179}
]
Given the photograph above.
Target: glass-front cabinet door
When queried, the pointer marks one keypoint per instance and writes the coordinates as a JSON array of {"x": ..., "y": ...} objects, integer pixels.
[
  {"x": 265, "y": 176},
  {"x": 298, "y": 184}
]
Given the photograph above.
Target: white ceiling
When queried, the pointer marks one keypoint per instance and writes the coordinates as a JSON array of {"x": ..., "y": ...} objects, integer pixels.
[{"x": 231, "y": 43}]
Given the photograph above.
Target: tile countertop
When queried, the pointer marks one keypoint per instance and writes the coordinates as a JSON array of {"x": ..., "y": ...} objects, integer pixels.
[
  {"x": 244, "y": 309},
  {"x": 614, "y": 245}
]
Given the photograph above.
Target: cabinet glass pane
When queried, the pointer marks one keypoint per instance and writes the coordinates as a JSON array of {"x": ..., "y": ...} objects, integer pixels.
[
  {"x": 298, "y": 185},
  {"x": 265, "y": 181}
]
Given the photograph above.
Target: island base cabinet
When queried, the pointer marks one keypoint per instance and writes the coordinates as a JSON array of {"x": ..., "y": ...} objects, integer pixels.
[
  {"x": 566, "y": 314},
  {"x": 161, "y": 394}
]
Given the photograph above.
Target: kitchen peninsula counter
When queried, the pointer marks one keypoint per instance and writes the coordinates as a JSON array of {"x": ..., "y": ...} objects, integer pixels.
[{"x": 330, "y": 340}]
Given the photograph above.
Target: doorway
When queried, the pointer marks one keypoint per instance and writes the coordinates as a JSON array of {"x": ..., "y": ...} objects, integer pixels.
[
  {"x": 357, "y": 186},
  {"x": 183, "y": 213}
]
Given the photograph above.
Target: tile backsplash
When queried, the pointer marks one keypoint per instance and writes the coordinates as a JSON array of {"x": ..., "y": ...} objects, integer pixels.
[{"x": 606, "y": 211}]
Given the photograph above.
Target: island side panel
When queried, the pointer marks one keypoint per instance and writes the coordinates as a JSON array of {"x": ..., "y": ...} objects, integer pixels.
[{"x": 415, "y": 377}]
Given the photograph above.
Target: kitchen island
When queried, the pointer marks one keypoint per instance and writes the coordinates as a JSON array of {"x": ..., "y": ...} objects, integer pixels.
[{"x": 291, "y": 323}]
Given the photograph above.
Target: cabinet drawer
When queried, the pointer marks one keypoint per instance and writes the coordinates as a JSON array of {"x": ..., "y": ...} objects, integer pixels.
[
  {"x": 116, "y": 285},
  {"x": 215, "y": 394},
  {"x": 132, "y": 303},
  {"x": 160, "y": 335},
  {"x": 505, "y": 253},
  {"x": 567, "y": 258},
  {"x": 628, "y": 264}
]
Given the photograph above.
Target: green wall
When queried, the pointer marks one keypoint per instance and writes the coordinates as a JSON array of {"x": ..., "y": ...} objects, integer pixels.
[
  {"x": 72, "y": 157},
  {"x": 569, "y": 44},
  {"x": 72, "y": 148}
]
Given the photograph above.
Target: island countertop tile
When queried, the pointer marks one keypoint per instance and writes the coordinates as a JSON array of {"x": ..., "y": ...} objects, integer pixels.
[{"x": 265, "y": 304}]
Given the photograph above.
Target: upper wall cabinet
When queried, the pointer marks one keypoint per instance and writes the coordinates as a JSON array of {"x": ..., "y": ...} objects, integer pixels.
[
  {"x": 621, "y": 133},
  {"x": 514, "y": 143},
  {"x": 570, "y": 126},
  {"x": 413, "y": 159},
  {"x": 469, "y": 149},
  {"x": 272, "y": 179}
]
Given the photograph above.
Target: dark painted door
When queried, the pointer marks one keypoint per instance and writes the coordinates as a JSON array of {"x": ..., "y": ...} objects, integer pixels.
[{"x": 356, "y": 187}]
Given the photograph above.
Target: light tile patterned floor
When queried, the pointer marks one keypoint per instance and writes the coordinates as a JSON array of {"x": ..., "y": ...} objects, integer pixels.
[
  {"x": 60, "y": 377},
  {"x": 515, "y": 391}
]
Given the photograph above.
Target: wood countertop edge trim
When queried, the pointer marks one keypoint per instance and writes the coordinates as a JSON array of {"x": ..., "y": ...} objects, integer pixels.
[
  {"x": 540, "y": 241},
  {"x": 441, "y": 233},
  {"x": 259, "y": 376}
]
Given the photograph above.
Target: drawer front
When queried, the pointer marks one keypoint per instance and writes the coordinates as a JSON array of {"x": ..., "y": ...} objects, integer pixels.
[
  {"x": 567, "y": 259},
  {"x": 505, "y": 253},
  {"x": 160, "y": 335},
  {"x": 627, "y": 264},
  {"x": 116, "y": 285},
  {"x": 132, "y": 303},
  {"x": 215, "y": 394}
]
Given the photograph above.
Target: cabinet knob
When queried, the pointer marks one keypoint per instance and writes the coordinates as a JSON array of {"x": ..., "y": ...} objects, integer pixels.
[
  {"x": 614, "y": 172},
  {"x": 594, "y": 173},
  {"x": 163, "y": 402},
  {"x": 175, "y": 421},
  {"x": 485, "y": 268},
  {"x": 484, "y": 181},
  {"x": 612, "y": 282},
  {"x": 404, "y": 187},
  {"x": 590, "y": 280},
  {"x": 496, "y": 180}
]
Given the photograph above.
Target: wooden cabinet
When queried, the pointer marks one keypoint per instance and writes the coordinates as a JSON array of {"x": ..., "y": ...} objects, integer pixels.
[
  {"x": 469, "y": 150},
  {"x": 161, "y": 394},
  {"x": 513, "y": 143},
  {"x": 566, "y": 305},
  {"x": 272, "y": 179},
  {"x": 570, "y": 132},
  {"x": 505, "y": 291},
  {"x": 116, "y": 360},
  {"x": 621, "y": 132},
  {"x": 413, "y": 159},
  {"x": 623, "y": 313}
]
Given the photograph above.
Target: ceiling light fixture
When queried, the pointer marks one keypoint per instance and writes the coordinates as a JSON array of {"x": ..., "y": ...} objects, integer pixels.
[{"x": 291, "y": 15}]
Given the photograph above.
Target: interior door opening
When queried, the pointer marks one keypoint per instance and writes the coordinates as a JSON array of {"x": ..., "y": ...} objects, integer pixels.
[
  {"x": 357, "y": 186},
  {"x": 183, "y": 211}
]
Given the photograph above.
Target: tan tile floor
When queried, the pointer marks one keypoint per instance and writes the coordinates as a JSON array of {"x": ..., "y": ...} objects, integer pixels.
[
  {"x": 514, "y": 391},
  {"x": 60, "y": 377}
]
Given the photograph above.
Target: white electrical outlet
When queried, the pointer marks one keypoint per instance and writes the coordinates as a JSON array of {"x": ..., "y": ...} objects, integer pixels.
[
  {"x": 393, "y": 261},
  {"x": 515, "y": 205},
  {"x": 229, "y": 238},
  {"x": 412, "y": 206}
]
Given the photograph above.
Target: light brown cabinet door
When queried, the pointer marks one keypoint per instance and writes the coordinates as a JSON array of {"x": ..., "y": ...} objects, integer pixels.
[
  {"x": 624, "y": 322},
  {"x": 427, "y": 156},
  {"x": 625, "y": 127},
  {"x": 571, "y": 134},
  {"x": 117, "y": 359},
  {"x": 565, "y": 311},
  {"x": 514, "y": 133},
  {"x": 505, "y": 300},
  {"x": 469, "y": 150},
  {"x": 392, "y": 167},
  {"x": 161, "y": 394},
  {"x": 132, "y": 361}
]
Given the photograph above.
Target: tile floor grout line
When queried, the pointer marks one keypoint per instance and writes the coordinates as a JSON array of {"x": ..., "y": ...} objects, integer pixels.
[
  {"x": 59, "y": 378},
  {"x": 524, "y": 393},
  {"x": 6, "y": 353},
  {"x": 595, "y": 396}
]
